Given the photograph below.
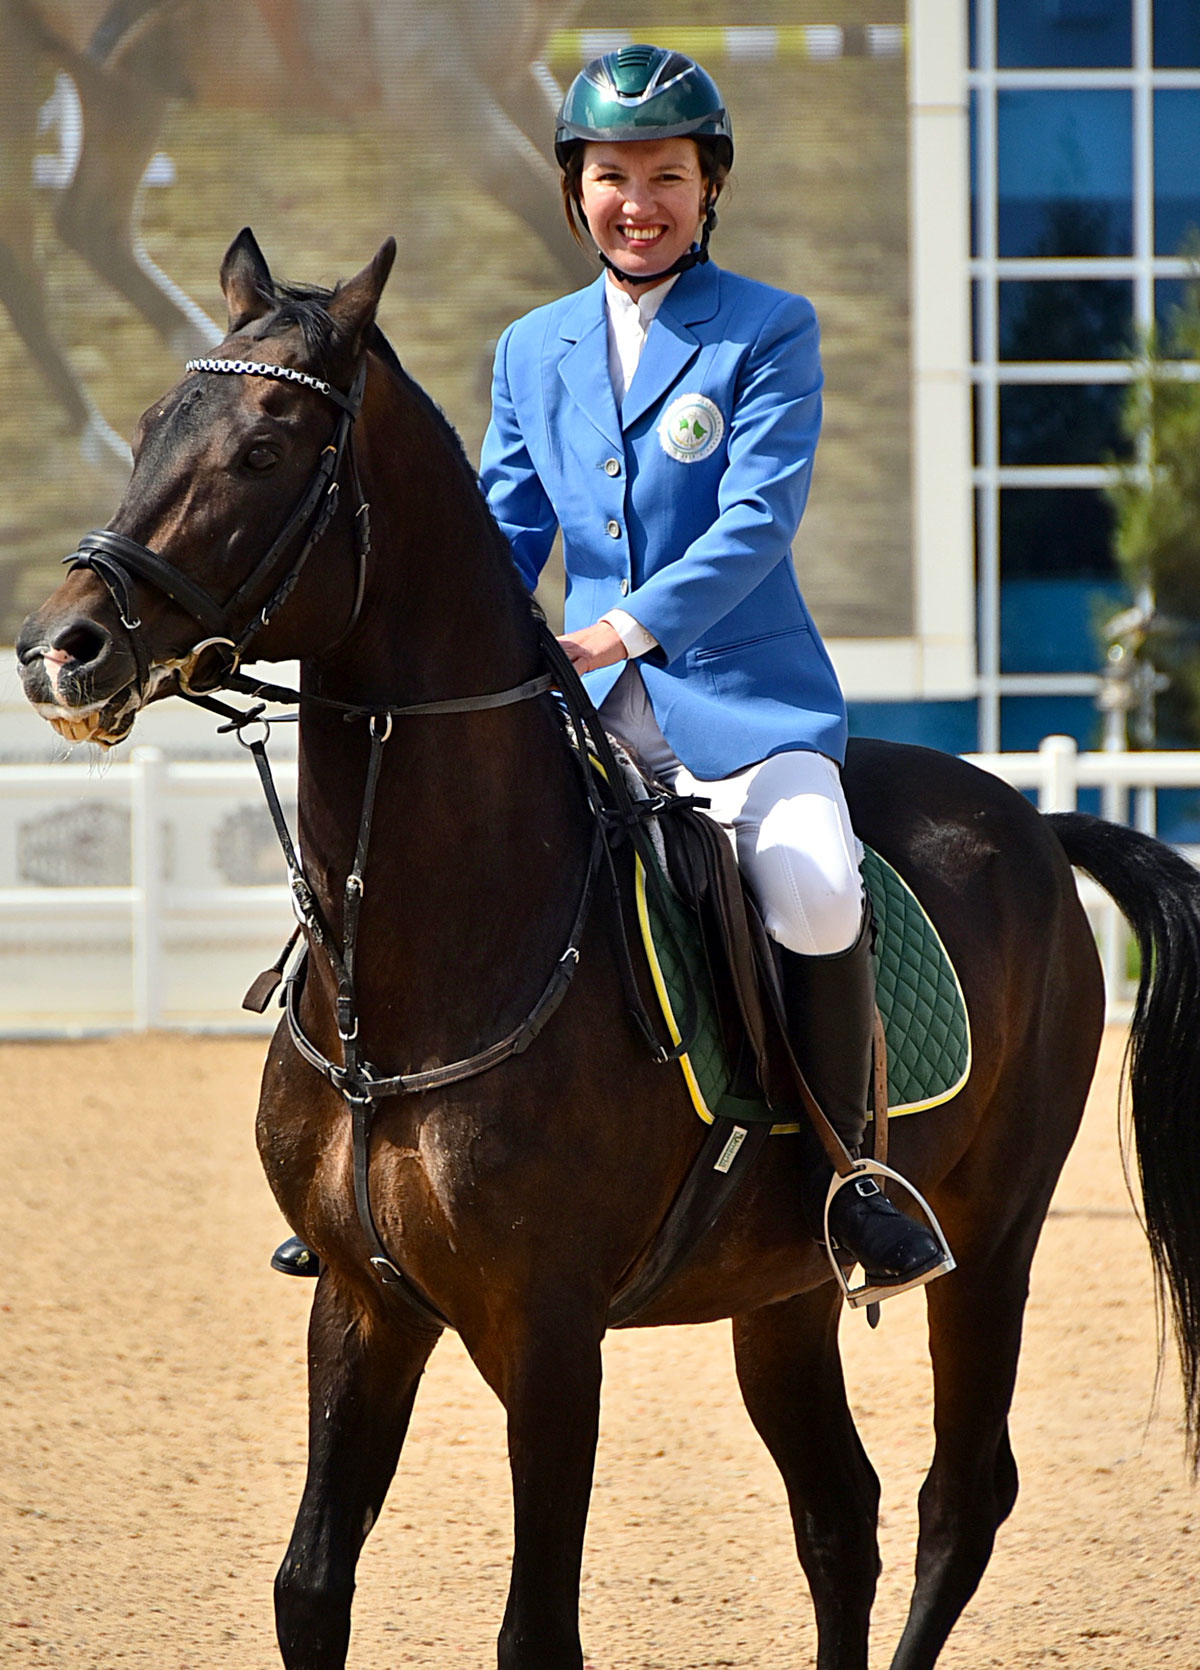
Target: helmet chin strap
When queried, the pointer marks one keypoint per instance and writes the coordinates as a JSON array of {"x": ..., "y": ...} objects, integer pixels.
[{"x": 694, "y": 257}]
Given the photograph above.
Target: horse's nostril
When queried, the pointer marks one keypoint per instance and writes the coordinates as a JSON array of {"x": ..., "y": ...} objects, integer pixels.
[{"x": 82, "y": 642}]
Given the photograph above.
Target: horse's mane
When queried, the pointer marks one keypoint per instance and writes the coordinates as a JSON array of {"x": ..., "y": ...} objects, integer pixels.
[{"x": 306, "y": 308}]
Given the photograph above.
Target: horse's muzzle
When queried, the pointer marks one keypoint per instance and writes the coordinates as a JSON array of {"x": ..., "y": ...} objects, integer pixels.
[{"x": 78, "y": 677}]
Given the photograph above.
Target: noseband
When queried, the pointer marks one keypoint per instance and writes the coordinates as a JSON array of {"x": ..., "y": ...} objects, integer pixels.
[{"x": 231, "y": 626}]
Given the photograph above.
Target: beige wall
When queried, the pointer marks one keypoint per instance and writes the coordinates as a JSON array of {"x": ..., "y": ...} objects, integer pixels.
[{"x": 820, "y": 202}]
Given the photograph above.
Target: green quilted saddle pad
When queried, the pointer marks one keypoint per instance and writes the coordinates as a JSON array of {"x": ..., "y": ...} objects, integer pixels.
[{"x": 917, "y": 990}]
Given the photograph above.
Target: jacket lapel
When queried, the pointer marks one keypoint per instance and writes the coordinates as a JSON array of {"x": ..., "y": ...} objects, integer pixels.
[
  {"x": 670, "y": 344},
  {"x": 583, "y": 368}
]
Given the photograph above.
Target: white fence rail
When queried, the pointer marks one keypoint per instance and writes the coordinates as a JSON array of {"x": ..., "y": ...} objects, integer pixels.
[
  {"x": 149, "y": 893},
  {"x": 140, "y": 894},
  {"x": 1127, "y": 781}
]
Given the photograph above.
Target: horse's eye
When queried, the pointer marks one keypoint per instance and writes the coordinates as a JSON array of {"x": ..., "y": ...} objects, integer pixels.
[{"x": 261, "y": 458}]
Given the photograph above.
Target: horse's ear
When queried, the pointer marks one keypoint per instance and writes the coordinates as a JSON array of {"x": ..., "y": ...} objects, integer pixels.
[
  {"x": 353, "y": 305},
  {"x": 245, "y": 281}
]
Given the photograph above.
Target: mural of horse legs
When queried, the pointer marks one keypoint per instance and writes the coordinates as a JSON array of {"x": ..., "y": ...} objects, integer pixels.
[
  {"x": 99, "y": 211},
  {"x": 472, "y": 87},
  {"x": 22, "y": 287}
]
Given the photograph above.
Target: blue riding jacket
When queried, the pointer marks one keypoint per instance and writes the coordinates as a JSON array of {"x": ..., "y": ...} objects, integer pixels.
[{"x": 681, "y": 508}]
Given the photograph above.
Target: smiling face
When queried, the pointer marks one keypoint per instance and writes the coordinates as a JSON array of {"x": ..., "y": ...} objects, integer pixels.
[{"x": 644, "y": 201}]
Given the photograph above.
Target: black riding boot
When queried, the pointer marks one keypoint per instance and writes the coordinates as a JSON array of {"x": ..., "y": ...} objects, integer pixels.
[
  {"x": 293, "y": 1258},
  {"x": 830, "y": 1005}
]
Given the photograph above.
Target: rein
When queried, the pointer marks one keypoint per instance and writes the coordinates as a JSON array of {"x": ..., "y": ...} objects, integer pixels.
[
  {"x": 356, "y": 1078},
  {"x": 120, "y": 561}
]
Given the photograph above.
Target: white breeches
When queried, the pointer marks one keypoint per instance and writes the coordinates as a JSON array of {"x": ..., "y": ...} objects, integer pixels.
[{"x": 786, "y": 817}]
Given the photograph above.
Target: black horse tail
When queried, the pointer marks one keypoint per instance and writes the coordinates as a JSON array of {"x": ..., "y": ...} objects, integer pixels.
[{"x": 1159, "y": 894}]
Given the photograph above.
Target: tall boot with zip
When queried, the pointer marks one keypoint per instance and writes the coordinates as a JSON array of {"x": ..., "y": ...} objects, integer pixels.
[{"x": 830, "y": 1005}]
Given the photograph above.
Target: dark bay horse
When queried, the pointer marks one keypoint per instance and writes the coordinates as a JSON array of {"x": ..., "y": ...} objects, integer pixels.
[{"x": 518, "y": 1200}]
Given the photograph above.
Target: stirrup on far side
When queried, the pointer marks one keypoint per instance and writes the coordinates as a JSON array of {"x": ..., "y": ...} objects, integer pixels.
[{"x": 870, "y": 1293}]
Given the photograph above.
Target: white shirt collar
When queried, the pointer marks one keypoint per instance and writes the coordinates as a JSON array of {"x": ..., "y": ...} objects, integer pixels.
[
  {"x": 645, "y": 304},
  {"x": 629, "y": 318}
]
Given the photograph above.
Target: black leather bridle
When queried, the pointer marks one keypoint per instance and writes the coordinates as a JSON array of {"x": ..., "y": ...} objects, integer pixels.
[
  {"x": 120, "y": 562},
  {"x": 231, "y": 626}
]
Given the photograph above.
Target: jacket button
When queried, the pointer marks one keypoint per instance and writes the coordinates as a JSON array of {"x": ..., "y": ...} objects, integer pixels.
[
  {"x": 624, "y": 588},
  {"x": 612, "y": 466},
  {"x": 613, "y": 530}
]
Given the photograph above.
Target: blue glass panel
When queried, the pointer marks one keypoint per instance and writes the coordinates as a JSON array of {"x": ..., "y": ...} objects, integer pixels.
[
  {"x": 1045, "y": 34},
  {"x": 1066, "y": 319},
  {"x": 1170, "y": 294},
  {"x": 1168, "y": 297},
  {"x": 1179, "y": 816},
  {"x": 1050, "y": 626},
  {"x": 972, "y": 50},
  {"x": 973, "y": 130},
  {"x": 1061, "y": 423},
  {"x": 950, "y": 726},
  {"x": 1055, "y": 531},
  {"x": 1177, "y": 34},
  {"x": 1176, "y": 168},
  {"x": 1025, "y": 720},
  {"x": 1065, "y": 172}
]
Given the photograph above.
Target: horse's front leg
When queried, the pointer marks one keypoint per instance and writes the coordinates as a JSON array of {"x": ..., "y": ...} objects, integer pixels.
[
  {"x": 790, "y": 1373},
  {"x": 546, "y": 1369},
  {"x": 362, "y": 1380}
]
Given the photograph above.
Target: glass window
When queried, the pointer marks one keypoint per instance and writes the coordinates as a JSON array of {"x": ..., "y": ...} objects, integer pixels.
[
  {"x": 1066, "y": 319},
  {"x": 950, "y": 726},
  {"x": 1177, "y": 34},
  {"x": 973, "y": 132},
  {"x": 978, "y": 346},
  {"x": 1052, "y": 626},
  {"x": 1048, "y": 34},
  {"x": 1048, "y": 531},
  {"x": 1065, "y": 172},
  {"x": 1170, "y": 294},
  {"x": 1061, "y": 423},
  {"x": 1168, "y": 299},
  {"x": 1025, "y": 720},
  {"x": 1176, "y": 169}
]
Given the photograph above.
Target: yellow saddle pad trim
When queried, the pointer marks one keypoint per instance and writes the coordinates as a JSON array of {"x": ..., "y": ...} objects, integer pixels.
[{"x": 920, "y": 1000}]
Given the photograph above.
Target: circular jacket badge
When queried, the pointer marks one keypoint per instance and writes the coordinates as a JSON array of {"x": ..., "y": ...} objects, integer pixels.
[{"x": 691, "y": 428}]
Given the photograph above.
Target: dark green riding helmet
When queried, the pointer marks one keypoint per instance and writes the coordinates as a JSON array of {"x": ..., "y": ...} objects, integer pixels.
[{"x": 642, "y": 92}]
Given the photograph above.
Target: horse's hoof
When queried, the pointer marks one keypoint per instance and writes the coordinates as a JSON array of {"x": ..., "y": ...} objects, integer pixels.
[{"x": 293, "y": 1258}]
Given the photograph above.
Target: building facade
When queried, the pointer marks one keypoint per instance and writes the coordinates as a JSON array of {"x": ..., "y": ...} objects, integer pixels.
[{"x": 1055, "y": 168}]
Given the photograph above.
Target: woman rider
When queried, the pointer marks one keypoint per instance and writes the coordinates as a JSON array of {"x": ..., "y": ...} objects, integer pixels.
[{"x": 665, "y": 419}]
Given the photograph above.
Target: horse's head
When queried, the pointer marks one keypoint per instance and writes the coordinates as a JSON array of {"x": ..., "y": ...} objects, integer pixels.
[{"x": 230, "y": 493}]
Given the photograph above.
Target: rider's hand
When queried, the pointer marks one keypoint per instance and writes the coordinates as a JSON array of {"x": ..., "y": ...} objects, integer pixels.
[{"x": 594, "y": 646}]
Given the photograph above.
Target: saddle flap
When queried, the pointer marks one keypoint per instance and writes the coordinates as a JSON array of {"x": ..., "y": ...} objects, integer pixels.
[{"x": 704, "y": 870}]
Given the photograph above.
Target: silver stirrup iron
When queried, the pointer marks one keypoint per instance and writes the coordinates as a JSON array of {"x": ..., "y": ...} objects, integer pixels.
[{"x": 867, "y": 1294}]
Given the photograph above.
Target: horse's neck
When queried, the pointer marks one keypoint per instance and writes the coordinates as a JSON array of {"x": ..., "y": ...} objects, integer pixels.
[{"x": 476, "y": 845}]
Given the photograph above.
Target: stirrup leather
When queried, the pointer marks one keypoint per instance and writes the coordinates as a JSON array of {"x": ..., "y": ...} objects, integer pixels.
[{"x": 868, "y": 1293}]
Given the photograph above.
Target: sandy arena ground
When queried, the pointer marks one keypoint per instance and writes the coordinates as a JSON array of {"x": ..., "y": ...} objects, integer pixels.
[{"x": 152, "y": 1427}]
